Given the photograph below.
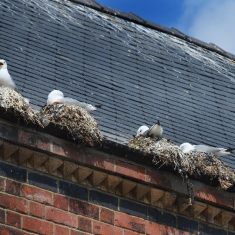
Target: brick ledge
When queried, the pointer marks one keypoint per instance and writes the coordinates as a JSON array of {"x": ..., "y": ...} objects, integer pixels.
[{"x": 18, "y": 139}]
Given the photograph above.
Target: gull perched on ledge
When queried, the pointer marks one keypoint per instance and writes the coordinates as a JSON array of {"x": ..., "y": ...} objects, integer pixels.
[
  {"x": 187, "y": 147},
  {"x": 5, "y": 78},
  {"x": 57, "y": 97}
]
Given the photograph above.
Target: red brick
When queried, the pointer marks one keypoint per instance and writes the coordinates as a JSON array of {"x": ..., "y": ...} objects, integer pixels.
[
  {"x": 37, "y": 209},
  {"x": 84, "y": 208},
  {"x": 128, "y": 232},
  {"x": 132, "y": 223},
  {"x": 99, "y": 160},
  {"x": 61, "y": 217},
  {"x": 2, "y": 184},
  {"x": 102, "y": 228},
  {"x": 130, "y": 170},
  {"x": 84, "y": 224},
  {"x": 158, "y": 178},
  {"x": 37, "y": 226},
  {"x": 10, "y": 231},
  {"x": 43, "y": 143},
  {"x": 37, "y": 194},
  {"x": 158, "y": 229},
  {"x": 153, "y": 228},
  {"x": 211, "y": 194},
  {"x": 2, "y": 216},
  {"x": 117, "y": 231},
  {"x": 34, "y": 140},
  {"x": 57, "y": 149},
  {"x": 26, "y": 138},
  {"x": 169, "y": 230},
  {"x": 73, "y": 232},
  {"x": 13, "y": 219},
  {"x": 107, "y": 216},
  {"x": 60, "y": 230},
  {"x": 12, "y": 187},
  {"x": 13, "y": 203},
  {"x": 61, "y": 202},
  {"x": 70, "y": 151}
]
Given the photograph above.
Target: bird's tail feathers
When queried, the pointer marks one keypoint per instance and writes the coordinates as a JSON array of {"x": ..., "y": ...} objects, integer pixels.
[
  {"x": 98, "y": 106},
  {"x": 231, "y": 150}
]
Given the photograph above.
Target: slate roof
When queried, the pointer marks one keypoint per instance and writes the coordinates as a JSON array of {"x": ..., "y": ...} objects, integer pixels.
[{"x": 139, "y": 72}]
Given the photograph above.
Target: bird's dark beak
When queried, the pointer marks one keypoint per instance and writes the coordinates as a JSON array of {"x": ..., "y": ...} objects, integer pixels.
[{"x": 158, "y": 122}]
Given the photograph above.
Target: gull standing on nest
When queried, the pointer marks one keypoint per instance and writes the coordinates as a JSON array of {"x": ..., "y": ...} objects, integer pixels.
[
  {"x": 141, "y": 131},
  {"x": 187, "y": 147},
  {"x": 57, "y": 97},
  {"x": 154, "y": 132},
  {"x": 5, "y": 78}
]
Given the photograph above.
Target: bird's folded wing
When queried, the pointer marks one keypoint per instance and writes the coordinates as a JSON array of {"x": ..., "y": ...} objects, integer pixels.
[
  {"x": 6, "y": 80},
  {"x": 146, "y": 133},
  {"x": 207, "y": 149},
  {"x": 71, "y": 101}
]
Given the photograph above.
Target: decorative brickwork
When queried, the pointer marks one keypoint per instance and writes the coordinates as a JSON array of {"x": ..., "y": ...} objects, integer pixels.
[
  {"x": 26, "y": 209},
  {"x": 51, "y": 186},
  {"x": 76, "y": 163}
]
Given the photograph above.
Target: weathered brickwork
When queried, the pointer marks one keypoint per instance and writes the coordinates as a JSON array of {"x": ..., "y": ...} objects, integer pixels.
[
  {"x": 29, "y": 207},
  {"x": 106, "y": 162}
]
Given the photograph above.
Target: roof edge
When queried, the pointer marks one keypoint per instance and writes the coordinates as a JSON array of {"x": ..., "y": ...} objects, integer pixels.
[{"x": 171, "y": 31}]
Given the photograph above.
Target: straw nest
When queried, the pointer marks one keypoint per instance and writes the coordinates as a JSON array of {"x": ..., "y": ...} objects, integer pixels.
[
  {"x": 13, "y": 102},
  {"x": 194, "y": 164},
  {"x": 74, "y": 120}
]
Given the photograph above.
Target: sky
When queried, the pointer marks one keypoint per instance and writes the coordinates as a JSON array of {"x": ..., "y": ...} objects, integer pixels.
[{"x": 208, "y": 20}]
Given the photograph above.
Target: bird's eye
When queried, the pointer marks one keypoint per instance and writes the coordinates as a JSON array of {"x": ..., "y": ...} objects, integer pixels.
[{"x": 1, "y": 63}]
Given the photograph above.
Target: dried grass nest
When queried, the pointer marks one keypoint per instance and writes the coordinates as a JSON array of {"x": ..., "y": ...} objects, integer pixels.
[
  {"x": 74, "y": 120},
  {"x": 194, "y": 164},
  {"x": 13, "y": 102}
]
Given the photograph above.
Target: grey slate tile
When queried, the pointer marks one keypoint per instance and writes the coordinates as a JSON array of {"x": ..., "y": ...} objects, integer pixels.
[{"x": 138, "y": 75}]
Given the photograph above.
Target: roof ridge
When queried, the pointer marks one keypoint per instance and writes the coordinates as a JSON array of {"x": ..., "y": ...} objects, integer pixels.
[{"x": 171, "y": 31}]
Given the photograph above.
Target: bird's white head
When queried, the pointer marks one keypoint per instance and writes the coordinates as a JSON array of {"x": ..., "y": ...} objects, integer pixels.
[
  {"x": 141, "y": 130},
  {"x": 186, "y": 147},
  {"x": 3, "y": 64},
  {"x": 55, "y": 96}
]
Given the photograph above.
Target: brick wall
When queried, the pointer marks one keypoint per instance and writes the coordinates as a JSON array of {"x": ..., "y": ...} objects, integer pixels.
[
  {"x": 53, "y": 146},
  {"x": 33, "y": 203}
]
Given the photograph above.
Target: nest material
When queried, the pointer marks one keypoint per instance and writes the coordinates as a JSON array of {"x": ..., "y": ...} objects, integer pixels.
[
  {"x": 13, "y": 102},
  {"x": 194, "y": 164},
  {"x": 74, "y": 120}
]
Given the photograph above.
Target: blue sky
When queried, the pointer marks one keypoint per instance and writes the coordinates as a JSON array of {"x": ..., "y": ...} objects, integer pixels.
[
  {"x": 164, "y": 12},
  {"x": 208, "y": 20}
]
